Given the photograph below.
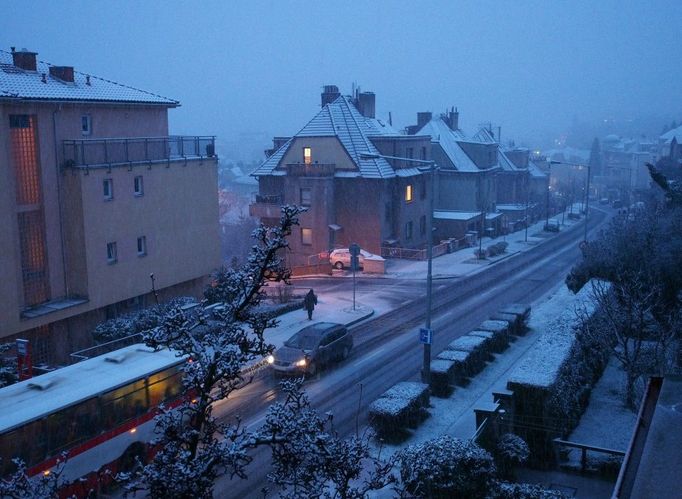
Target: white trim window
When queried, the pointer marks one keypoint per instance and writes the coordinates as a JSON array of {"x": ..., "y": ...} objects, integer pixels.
[
  {"x": 112, "y": 253},
  {"x": 86, "y": 124},
  {"x": 138, "y": 186},
  {"x": 142, "y": 246},
  {"x": 108, "y": 189}
]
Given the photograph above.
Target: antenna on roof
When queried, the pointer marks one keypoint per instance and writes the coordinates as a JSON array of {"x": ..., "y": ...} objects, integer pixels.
[{"x": 390, "y": 118}]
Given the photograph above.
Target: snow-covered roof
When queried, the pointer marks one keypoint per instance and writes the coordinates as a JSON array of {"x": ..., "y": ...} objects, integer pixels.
[
  {"x": 483, "y": 135},
  {"x": 675, "y": 133},
  {"x": 568, "y": 154},
  {"x": 448, "y": 139},
  {"x": 535, "y": 170},
  {"x": 77, "y": 382},
  {"x": 455, "y": 215},
  {"x": 16, "y": 83},
  {"x": 505, "y": 163},
  {"x": 511, "y": 207},
  {"x": 342, "y": 120}
]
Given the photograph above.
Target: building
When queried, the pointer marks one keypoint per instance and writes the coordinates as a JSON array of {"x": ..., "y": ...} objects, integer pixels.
[
  {"x": 351, "y": 198},
  {"x": 96, "y": 197}
]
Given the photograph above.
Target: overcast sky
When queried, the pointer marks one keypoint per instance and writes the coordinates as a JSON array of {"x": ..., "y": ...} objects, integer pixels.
[{"x": 258, "y": 67}]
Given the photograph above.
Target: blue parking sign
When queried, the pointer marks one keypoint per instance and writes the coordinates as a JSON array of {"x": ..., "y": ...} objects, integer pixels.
[{"x": 425, "y": 336}]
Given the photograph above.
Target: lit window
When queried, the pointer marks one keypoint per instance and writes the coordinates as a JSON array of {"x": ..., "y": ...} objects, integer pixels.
[
  {"x": 307, "y": 236},
  {"x": 108, "y": 188},
  {"x": 138, "y": 186},
  {"x": 306, "y": 196},
  {"x": 408, "y": 192},
  {"x": 86, "y": 124},
  {"x": 307, "y": 155},
  {"x": 142, "y": 246},
  {"x": 112, "y": 255}
]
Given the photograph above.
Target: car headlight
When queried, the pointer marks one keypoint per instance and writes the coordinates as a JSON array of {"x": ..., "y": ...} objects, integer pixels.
[
  {"x": 270, "y": 359},
  {"x": 301, "y": 363}
]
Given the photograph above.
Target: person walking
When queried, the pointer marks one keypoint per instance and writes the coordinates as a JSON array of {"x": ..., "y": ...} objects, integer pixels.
[{"x": 309, "y": 303}]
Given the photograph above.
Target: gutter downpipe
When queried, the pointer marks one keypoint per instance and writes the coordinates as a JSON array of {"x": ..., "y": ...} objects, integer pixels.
[{"x": 59, "y": 198}]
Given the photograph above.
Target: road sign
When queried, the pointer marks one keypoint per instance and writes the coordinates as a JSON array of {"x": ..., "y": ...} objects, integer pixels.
[{"x": 425, "y": 336}]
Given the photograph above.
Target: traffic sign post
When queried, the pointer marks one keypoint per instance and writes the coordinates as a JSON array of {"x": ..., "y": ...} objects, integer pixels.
[
  {"x": 425, "y": 336},
  {"x": 354, "y": 250}
]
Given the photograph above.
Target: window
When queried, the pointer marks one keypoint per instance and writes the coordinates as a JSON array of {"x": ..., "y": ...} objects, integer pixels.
[
  {"x": 410, "y": 152},
  {"x": 307, "y": 155},
  {"x": 306, "y": 196},
  {"x": 108, "y": 189},
  {"x": 138, "y": 186},
  {"x": 422, "y": 225},
  {"x": 142, "y": 246},
  {"x": 422, "y": 189},
  {"x": 423, "y": 152},
  {"x": 86, "y": 124},
  {"x": 307, "y": 236},
  {"x": 408, "y": 192},
  {"x": 112, "y": 257},
  {"x": 408, "y": 230}
]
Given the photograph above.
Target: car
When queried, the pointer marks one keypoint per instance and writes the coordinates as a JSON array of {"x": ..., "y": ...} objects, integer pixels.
[
  {"x": 340, "y": 258},
  {"x": 552, "y": 225},
  {"x": 312, "y": 348}
]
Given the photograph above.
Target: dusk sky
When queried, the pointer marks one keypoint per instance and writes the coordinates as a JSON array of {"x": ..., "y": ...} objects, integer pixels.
[{"x": 259, "y": 67}]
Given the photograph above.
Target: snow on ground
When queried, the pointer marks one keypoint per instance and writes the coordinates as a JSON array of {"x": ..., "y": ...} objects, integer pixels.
[
  {"x": 606, "y": 421},
  {"x": 455, "y": 415}
]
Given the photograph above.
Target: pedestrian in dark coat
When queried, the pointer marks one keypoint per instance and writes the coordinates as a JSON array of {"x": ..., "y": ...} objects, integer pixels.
[{"x": 309, "y": 303}]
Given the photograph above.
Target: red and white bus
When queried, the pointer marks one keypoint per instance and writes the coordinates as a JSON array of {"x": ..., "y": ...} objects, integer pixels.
[{"x": 100, "y": 411}]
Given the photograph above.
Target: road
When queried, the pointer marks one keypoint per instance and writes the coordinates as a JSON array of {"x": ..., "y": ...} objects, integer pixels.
[{"x": 386, "y": 348}]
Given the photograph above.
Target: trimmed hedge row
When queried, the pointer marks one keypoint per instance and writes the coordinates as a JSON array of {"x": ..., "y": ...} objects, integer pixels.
[{"x": 398, "y": 407}]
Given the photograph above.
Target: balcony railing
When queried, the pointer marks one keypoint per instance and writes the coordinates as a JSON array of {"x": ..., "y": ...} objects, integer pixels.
[
  {"x": 123, "y": 151},
  {"x": 311, "y": 170},
  {"x": 266, "y": 206}
]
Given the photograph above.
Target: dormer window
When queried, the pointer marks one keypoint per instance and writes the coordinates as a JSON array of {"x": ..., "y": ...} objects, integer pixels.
[{"x": 307, "y": 155}]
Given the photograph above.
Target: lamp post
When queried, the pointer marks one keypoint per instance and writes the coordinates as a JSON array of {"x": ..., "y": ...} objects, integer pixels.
[
  {"x": 587, "y": 189},
  {"x": 431, "y": 168}
]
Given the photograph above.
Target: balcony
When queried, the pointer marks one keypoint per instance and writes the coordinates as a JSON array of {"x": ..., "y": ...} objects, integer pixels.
[
  {"x": 99, "y": 153},
  {"x": 266, "y": 206},
  {"x": 311, "y": 170}
]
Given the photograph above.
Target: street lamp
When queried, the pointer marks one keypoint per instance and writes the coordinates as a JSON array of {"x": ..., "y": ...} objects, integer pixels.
[
  {"x": 431, "y": 168},
  {"x": 587, "y": 189}
]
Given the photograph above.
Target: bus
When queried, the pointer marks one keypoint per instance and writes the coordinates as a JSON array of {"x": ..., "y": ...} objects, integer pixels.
[{"x": 99, "y": 412}]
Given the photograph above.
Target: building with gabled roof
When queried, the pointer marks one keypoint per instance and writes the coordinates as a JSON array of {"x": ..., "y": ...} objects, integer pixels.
[
  {"x": 97, "y": 196},
  {"x": 372, "y": 201}
]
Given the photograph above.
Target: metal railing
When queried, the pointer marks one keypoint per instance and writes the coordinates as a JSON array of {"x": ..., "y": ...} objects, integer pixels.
[
  {"x": 123, "y": 151},
  {"x": 411, "y": 253},
  {"x": 277, "y": 199},
  {"x": 584, "y": 448}
]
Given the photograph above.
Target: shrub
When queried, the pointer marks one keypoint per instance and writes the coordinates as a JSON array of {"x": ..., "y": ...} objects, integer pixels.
[
  {"x": 446, "y": 467},
  {"x": 137, "y": 322},
  {"x": 482, "y": 253},
  {"x": 506, "y": 490},
  {"x": 511, "y": 450}
]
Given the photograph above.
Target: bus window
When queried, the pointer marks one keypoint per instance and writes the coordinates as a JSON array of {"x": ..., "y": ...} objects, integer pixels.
[
  {"x": 165, "y": 385},
  {"x": 123, "y": 404},
  {"x": 72, "y": 425},
  {"x": 26, "y": 443}
]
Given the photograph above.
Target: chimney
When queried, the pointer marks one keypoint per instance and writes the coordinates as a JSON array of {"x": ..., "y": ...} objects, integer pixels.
[
  {"x": 423, "y": 118},
  {"x": 330, "y": 94},
  {"x": 453, "y": 119},
  {"x": 64, "y": 73},
  {"x": 24, "y": 59},
  {"x": 366, "y": 104}
]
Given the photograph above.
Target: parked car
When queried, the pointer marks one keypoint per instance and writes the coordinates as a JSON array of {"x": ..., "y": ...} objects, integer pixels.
[
  {"x": 340, "y": 258},
  {"x": 618, "y": 203},
  {"x": 311, "y": 348},
  {"x": 552, "y": 225}
]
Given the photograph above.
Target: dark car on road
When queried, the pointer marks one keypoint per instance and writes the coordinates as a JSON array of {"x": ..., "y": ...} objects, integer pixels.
[{"x": 311, "y": 348}]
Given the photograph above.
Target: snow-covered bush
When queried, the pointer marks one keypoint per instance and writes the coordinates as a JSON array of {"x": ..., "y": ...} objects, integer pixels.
[
  {"x": 506, "y": 490},
  {"x": 446, "y": 467},
  {"x": 137, "y": 322},
  {"x": 511, "y": 450},
  {"x": 8, "y": 366}
]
